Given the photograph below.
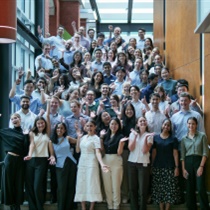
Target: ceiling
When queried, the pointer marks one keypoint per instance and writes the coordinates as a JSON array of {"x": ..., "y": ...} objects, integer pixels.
[{"x": 118, "y": 11}]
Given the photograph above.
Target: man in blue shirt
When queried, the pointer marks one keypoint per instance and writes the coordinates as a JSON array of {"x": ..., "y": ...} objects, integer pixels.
[
  {"x": 117, "y": 86},
  {"x": 108, "y": 77},
  {"x": 179, "y": 119},
  {"x": 66, "y": 57},
  {"x": 56, "y": 41},
  {"x": 76, "y": 119},
  {"x": 44, "y": 60},
  {"x": 135, "y": 74},
  {"x": 97, "y": 64},
  {"x": 35, "y": 103},
  {"x": 149, "y": 89},
  {"x": 140, "y": 43}
]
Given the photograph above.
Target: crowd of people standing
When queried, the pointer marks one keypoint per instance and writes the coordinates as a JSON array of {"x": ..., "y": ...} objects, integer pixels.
[{"x": 111, "y": 123}]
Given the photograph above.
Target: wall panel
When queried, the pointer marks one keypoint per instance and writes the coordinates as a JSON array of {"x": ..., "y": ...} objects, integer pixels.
[{"x": 158, "y": 24}]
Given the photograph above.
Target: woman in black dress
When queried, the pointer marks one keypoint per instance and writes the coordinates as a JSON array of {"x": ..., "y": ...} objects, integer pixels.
[
  {"x": 165, "y": 188},
  {"x": 15, "y": 145}
]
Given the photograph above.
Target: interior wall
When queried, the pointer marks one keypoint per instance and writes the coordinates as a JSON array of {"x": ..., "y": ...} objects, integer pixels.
[
  {"x": 158, "y": 25},
  {"x": 183, "y": 49}
]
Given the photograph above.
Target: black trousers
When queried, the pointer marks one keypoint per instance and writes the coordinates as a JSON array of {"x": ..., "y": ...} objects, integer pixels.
[
  {"x": 138, "y": 179},
  {"x": 66, "y": 179},
  {"x": 35, "y": 175},
  {"x": 192, "y": 164},
  {"x": 12, "y": 183}
]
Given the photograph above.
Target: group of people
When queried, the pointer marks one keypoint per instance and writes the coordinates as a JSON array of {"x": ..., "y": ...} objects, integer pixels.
[{"x": 103, "y": 113}]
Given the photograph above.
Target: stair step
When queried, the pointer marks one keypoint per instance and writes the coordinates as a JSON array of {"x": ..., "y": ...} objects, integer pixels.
[{"x": 98, "y": 206}]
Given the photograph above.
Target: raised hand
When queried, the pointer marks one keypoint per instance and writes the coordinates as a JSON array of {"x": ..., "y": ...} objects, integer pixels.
[
  {"x": 39, "y": 30},
  {"x": 20, "y": 72},
  {"x": 92, "y": 114},
  {"x": 102, "y": 133},
  {"x": 134, "y": 132},
  {"x": 144, "y": 101},
  {"x": 124, "y": 139},
  {"x": 110, "y": 27}
]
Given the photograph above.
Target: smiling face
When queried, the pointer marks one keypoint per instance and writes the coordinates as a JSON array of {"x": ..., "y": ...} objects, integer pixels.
[
  {"x": 75, "y": 108},
  {"x": 74, "y": 95},
  {"x": 77, "y": 38},
  {"x": 113, "y": 102},
  {"x": 105, "y": 117},
  {"x": 98, "y": 78},
  {"x": 134, "y": 93},
  {"x": 114, "y": 126},
  {"x": 121, "y": 58},
  {"x": 40, "y": 124},
  {"x": 184, "y": 103},
  {"x": 77, "y": 57},
  {"x": 141, "y": 34},
  {"x": 192, "y": 125},
  {"x": 117, "y": 31},
  {"x": 138, "y": 63},
  {"x": 155, "y": 102},
  {"x": 110, "y": 54},
  {"x": 60, "y": 130},
  {"x": 90, "y": 128},
  {"x": 165, "y": 74},
  {"x": 60, "y": 31},
  {"x": 76, "y": 73},
  {"x": 54, "y": 104},
  {"x": 16, "y": 121},
  {"x": 126, "y": 88},
  {"x": 28, "y": 89},
  {"x": 55, "y": 72},
  {"x": 98, "y": 54},
  {"x": 87, "y": 56},
  {"x": 113, "y": 46},
  {"x": 120, "y": 75},
  {"x": 132, "y": 42},
  {"x": 105, "y": 89},
  {"x": 137, "y": 53},
  {"x": 129, "y": 111},
  {"x": 166, "y": 127},
  {"x": 83, "y": 89},
  {"x": 131, "y": 50},
  {"x": 142, "y": 123},
  {"x": 90, "y": 96},
  {"x": 94, "y": 44},
  {"x": 25, "y": 103}
]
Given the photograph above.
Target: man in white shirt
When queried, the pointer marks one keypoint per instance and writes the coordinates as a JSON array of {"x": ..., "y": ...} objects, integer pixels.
[
  {"x": 27, "y": 117},
  {"x": 154, "y": 117},
  {"x": 140, "y": 106}
]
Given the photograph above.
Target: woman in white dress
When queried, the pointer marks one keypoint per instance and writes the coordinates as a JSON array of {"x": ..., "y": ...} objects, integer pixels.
[{"x": 88, "y": 187}]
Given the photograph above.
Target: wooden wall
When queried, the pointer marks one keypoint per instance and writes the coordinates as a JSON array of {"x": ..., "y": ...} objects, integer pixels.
[
  {"x": 182, "y": 50},
  {"x": 158, "y": 30}
]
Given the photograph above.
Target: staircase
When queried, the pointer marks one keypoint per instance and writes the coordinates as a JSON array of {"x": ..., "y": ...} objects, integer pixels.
[{"x": 98, "y": 206}]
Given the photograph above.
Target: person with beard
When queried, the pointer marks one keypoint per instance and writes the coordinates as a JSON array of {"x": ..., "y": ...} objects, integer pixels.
[
  {"x": 66, "y": 57},
  {"x": 35, "y": 103},
  {"x": 27, "y": 116},
  {"x": 15, "y": 145}
]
